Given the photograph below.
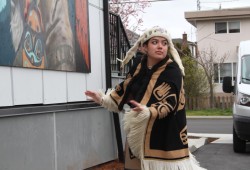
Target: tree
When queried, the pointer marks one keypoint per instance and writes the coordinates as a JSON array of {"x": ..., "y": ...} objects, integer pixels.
[
  {"x": 194, "y": 79},
  {"x": 207, "y": 59},
  {"x": 194, "y": 84},
  {"x": 129, "y": 11}
]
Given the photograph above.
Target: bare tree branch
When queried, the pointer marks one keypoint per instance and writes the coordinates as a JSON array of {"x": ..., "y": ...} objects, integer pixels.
[
  {"x": 129, "y": 12},
  {"x": 207, "y": 59}
]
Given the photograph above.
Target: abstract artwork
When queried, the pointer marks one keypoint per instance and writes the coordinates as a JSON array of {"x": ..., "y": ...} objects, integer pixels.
[{"x": 45, "y": 34}]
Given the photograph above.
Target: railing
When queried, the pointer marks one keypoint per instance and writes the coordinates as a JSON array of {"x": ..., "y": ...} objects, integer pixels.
[{"x": 119, "y": 44}]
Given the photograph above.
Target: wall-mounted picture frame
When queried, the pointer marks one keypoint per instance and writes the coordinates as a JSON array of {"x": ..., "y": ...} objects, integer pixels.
[{"x": 45, "y": 34}]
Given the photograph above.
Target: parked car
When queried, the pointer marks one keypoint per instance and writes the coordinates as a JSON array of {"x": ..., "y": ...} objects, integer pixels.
[{"x": 241, "y": 90}]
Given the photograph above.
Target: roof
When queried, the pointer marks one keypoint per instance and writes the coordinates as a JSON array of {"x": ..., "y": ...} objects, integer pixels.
[
  {"x": 132, "y": 36},
  {"x": 179, "y": 41},
  {"x": 233, "y": 13}
]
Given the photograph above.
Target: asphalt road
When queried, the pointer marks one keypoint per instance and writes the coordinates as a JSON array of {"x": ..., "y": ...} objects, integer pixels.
[
  {"x": 218, "y": 156},
  {"x": 222, "y": 157},
  {"x": 210, "y": 125}
]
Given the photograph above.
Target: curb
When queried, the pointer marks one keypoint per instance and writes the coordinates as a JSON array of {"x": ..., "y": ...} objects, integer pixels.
[
  {"x": 209, "y": 117},
  {"x": 197, "y": 140},
  {"x": 195, "y": 144}
]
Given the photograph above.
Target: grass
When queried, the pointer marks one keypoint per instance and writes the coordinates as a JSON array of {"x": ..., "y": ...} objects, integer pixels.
[{"x": 210, "y": 112}]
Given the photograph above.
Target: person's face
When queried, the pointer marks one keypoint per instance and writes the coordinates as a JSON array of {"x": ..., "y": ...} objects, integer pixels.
[{"x": 156, "y": 49}]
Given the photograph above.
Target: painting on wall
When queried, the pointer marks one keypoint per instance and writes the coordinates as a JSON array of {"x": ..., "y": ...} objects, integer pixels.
[{"x": 45, "y": 34}]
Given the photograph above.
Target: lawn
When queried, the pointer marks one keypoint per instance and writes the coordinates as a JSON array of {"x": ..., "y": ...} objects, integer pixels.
[{"x": 210, "y": 112}]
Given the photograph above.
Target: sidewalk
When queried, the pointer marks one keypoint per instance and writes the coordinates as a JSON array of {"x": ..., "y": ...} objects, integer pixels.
[
  {"x": 209, "y": 117},
  {"x": 197, "y": 140}
]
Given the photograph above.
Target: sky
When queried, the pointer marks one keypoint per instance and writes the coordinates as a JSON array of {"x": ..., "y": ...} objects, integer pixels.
[{"x": 170, "y": 14}]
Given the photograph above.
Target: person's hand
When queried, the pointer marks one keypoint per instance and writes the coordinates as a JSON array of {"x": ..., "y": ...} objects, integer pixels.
[
  {"x": 95, "y": 96},
  {"x": 137, "y": 106}
]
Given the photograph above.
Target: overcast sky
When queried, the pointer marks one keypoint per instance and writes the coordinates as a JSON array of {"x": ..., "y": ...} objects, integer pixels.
[{"x": 170, "y": 14}]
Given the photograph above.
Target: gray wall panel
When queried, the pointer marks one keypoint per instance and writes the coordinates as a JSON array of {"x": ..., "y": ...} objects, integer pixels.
[
  {"x": 72, "y": 140},
  {"x": 27, "y": 142},
  {"x": 84, "y": 139}
]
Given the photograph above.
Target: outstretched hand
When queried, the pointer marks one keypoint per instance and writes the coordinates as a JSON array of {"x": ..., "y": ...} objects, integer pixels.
[
  {"x": 137, "y": 106},
  {"x": 95, "y": 96}
]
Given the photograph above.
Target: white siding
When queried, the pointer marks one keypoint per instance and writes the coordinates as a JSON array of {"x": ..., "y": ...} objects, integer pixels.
[
  {"x": 5, "y": 87},
  {"x": 55, "y": 87},
  {"x": 96, "y": 79},
  {"x": 76, "y": 83},
  {"x": 95, "y": 3},
  {"x": 27, "y": 86}
]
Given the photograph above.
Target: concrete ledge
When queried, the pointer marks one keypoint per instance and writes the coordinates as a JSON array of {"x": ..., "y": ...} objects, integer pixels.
[
  {"x": 195, "y": 144},
  {"x": 197, "y": 140}
]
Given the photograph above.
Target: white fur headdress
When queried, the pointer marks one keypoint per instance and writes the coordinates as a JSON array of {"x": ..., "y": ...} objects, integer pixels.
[{"x": 153, "y": 32}]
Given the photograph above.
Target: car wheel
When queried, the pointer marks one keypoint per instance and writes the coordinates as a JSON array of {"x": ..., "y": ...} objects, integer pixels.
[{"x": 239, "y": 144}]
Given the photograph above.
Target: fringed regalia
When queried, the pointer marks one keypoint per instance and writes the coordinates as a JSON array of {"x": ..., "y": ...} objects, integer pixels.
[{"x": 157, "y": 137}]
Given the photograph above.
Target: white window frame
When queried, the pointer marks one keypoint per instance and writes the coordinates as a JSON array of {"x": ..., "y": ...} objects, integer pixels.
[
  {"x": 233, "y": 72},
  {"x": 227, "y": 27}
]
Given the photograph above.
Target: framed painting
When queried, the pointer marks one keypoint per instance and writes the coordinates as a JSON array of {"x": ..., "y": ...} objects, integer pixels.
[{"x": 45, "y": 34}]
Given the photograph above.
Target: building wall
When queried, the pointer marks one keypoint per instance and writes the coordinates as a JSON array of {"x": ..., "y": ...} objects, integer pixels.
[
  {"x": 21, "y": 86},
  {"x": 56, "y": 139},
  {"x": 226, "y": 43},
  {"x": 223, "y": 43}
]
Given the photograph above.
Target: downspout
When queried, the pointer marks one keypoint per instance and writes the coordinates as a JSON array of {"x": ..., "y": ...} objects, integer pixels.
[{"x": 108, "y": 78}]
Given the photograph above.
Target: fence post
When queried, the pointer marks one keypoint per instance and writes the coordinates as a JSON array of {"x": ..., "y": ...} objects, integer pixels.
[
  {"x": 227, "y": 102},
  {"x": 190, "y": 103},
  {"x": 231, "y": 100},
  {"x": 223, "y": 102},
  {"x": 215, "y": 102},
  {"x": 197, "y": 103},
  {"x": 193, "y": 103},
  {"x": 186, "y": 103}
]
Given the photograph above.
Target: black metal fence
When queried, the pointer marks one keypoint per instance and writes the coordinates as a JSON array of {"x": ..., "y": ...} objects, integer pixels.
[{"x": 119, "y": 44}]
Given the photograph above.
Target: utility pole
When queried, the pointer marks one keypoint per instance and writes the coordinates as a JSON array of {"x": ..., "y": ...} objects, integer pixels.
[{"x": 198, "y": 5}]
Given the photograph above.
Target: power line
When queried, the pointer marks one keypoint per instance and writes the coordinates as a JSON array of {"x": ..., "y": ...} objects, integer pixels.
[
  {"x": 220, "y": 1},
  {"x": 130, "y": 2}
]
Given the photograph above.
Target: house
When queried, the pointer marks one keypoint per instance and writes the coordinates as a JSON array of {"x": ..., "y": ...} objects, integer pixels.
[
  {"x": 183, "y": 42},
  {"x": 221, "y": 29}
]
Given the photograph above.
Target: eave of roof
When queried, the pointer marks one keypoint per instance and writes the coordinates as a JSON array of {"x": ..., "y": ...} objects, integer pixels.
[{"x": 232, "y": 13}]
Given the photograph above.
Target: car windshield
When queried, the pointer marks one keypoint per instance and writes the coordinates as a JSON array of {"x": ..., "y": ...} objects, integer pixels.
[{"x": 245, "y": 69}]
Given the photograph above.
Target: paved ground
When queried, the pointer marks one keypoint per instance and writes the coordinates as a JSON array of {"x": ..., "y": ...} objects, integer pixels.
[
  {"x": 220, "y": 155},
  {"x": 195, "y": 142}
]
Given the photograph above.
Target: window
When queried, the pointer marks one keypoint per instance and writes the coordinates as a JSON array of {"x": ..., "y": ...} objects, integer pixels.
[
  {"x": 225, "y": 70},
  {"x": 245, "y": 71},
  {"x": 233, "y": 27},
  {"x": 227, "y": 27},
  {"x": 222, "y": 70},
  {"x": 220, "y": 27}
]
